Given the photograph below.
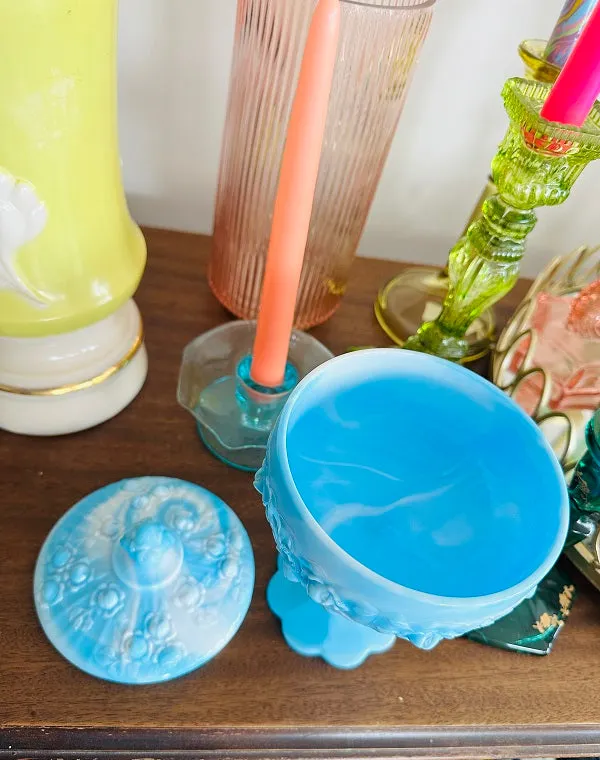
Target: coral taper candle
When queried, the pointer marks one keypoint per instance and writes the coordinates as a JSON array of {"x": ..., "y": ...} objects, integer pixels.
[
  {"x": 578, "y": 84},
  {"x": 293, "y": 205}
]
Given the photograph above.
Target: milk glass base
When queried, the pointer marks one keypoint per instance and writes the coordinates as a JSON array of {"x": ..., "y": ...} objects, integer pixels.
[
  {"x": 234, "y": 415},
  {"x": 61, "y": 384}
]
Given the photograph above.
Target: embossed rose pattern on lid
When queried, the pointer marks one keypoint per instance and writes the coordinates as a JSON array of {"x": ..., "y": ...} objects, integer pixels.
[{"x": 144, "y": 580}]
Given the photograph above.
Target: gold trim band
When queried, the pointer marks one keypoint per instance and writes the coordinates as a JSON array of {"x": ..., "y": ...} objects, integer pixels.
[{"x": 74, "y": 387}]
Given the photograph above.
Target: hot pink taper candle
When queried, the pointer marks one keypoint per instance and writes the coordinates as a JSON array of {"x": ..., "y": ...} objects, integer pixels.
[
  {"x": 295, "y": 195},
  {"x": 578, "y": 84}
]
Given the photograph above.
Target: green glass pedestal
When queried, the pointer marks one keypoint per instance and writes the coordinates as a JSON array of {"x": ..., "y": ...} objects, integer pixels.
[
  {"x": 537, "y": 164},
  {"x": 415, "y": 294}
]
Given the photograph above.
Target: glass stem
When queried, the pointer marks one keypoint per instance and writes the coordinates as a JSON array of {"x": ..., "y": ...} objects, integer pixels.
[
  {"x": 483, "y": 267},
  {"x": 489, "y": 190}
]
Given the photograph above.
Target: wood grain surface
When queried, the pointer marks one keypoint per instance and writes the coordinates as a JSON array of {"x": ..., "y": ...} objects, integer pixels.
[{"x": 257, "y": 698}]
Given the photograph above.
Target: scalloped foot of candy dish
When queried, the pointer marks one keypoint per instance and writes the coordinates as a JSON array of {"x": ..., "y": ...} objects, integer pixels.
[
  {"x": 65, "y": 383},
  {"x": 311, "y": 630},
  {"x": 408, "y": 536}
]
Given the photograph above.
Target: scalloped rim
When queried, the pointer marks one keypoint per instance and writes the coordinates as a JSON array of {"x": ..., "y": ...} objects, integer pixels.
[{"x": 524, "y": 99}]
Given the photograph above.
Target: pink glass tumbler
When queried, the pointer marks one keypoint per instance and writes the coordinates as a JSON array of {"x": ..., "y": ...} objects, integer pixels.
[{"x": 379, "y": 44}]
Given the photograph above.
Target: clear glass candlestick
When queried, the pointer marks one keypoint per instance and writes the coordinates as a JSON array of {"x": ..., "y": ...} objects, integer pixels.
[
  {"x": 379, "y": 44},
  {"x": 234, "y": 415},
  {"x": 537, "y": 164}
]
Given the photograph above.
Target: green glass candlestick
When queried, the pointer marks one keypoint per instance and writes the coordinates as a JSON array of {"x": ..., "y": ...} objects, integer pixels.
[
  {"x": 532, "y": 53},
  {"x": 537, "y": 164},
  {"x": 404, "y": 302}
]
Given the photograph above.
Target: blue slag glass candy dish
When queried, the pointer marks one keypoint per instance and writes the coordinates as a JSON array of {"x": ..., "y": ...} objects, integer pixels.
[
  {"x": 410, "y": 496},
  {"x": 144, "y": 580}
]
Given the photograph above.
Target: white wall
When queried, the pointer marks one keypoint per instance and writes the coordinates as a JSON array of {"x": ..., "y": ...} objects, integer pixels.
[{"x": 174, "y": 68}]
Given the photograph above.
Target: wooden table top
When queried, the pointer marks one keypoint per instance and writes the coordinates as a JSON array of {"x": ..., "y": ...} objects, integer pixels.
[{"x": 257, "y": 698}]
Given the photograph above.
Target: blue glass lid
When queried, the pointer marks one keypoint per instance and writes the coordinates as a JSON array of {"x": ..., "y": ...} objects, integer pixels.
[{"x": 144, "y": 580}]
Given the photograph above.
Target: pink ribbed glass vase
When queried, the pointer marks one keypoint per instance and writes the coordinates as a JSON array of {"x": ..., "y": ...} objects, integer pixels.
[{"x": 379, "y": 44}]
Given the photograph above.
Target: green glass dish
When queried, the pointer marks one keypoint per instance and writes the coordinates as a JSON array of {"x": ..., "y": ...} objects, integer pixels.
[
  {"x": 584, "y": 489},
  {"x": 533, "y": 626}
]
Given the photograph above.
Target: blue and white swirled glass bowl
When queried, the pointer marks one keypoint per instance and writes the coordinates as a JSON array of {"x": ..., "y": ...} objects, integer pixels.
[
  {"x": 144, "y": 580},
  {"x": 409, "y": 496}
]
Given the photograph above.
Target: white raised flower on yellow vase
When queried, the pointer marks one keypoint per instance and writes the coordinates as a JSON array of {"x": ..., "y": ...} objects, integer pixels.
[{"x": 23, "y": 217}]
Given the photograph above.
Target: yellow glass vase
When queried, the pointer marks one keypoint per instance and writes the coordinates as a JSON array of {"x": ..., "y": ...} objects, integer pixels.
[
  {"x": 69, "y": 252},
  {"x": 70, "y": 255}
]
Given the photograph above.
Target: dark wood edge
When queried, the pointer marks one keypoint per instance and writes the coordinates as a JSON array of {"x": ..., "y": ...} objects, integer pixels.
[{"x": 419, "y": 742}]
